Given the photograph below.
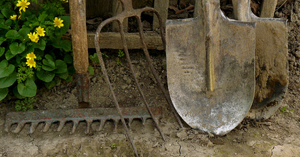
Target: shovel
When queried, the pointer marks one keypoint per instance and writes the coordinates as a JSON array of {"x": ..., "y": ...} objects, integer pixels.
[
  {"x": 210, "y": 68},
  {"x": 271, "y": 66}
]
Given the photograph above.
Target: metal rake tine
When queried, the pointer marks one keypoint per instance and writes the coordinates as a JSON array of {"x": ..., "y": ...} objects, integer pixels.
[
  {"x": 75, "y": 124},
  {"x": 47, "y": 126},
  {"x": 61, "y": 125},
  {"x": 88, "y": 125},
  {"x": 116, "y": 121},
  {"x": 129, "y": 122},
  {"x": 135, "y": 79},
  {"x": 144, "y": 120},
  {"x": 103, "y": 69},
  {"x": 146, "y": 52},
  {"x": 33, "y": 127},
  {"x": 102, "y": 123},
  {"x": 19, "y": 127}
]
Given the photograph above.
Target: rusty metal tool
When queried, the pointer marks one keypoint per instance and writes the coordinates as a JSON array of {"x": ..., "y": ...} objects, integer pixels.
[
  {"x": 89, "y": 115},
  {"x": 271, "y": 65},
  {"x": 210, "y": 68}
]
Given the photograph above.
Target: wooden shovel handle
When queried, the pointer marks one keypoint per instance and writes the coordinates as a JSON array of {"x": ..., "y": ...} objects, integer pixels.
[
  {"x": 79, "y": 35},
  {"x": 268, "y": 8}
]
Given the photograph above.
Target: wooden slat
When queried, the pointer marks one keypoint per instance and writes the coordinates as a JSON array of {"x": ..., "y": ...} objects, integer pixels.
[
  {"x": 112, "y": 40},
  {"x": 162, "y": 7},
  {"x": 268, "y": 8}
]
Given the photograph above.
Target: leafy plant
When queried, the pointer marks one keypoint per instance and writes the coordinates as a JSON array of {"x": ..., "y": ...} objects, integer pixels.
[
  {"x": 25, "y": 104},
  {"x": 120, "y": 55},
  {"x": 31, "y": 48},
  {"x": 285, "y": 110}
]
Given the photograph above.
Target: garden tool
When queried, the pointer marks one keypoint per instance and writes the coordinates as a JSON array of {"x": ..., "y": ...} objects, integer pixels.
[
  {"x": 127, "y": 12},
  {"x": 210, "y": 68},
  {"x": 271, "y": 66}
]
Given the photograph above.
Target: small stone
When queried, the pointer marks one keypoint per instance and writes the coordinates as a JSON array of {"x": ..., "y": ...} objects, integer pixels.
[
  {"x": 182, "y": 135},
  {"x": 210, "y": 144},
  {"x": 297, "y": 54},
  {"x": 124, "y": 86}
]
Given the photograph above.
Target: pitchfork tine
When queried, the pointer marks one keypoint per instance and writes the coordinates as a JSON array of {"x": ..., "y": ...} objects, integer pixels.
[
  {"x": 47, "y": 126},
  {"x": 135, "y": 79},
  {"x": 19, "y": 127},
  {"x": 146, "y": 52},
  {"x": 102, "y": 122},
  {"x": 33, "y": 127},
  {"x": 61, "y": 125}
]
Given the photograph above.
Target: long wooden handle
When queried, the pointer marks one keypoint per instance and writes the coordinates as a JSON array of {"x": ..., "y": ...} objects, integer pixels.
[
  {"x": 268, "y": 8},
  {"x": 79, "y": 35}
]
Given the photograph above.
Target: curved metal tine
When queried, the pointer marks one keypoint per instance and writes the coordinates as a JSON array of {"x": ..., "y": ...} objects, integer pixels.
[
  {"x": 19, "y": 127},
  {"x": 103, "y": 69},
  {"x": 135, "y": 79},
  {"x": 146, "y": 52}
]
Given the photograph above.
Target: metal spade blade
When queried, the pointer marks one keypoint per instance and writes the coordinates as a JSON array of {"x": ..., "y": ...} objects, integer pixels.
[
  {"x": 210, "y": 68},
  {"x": 271, "y": 65}
]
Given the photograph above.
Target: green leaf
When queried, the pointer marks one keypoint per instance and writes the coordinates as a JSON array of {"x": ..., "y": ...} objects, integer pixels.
[
  {"x": 9, "y": 55},
  {"x": 8, "y": 81},
  {"x": 3, "y": 25},
  {"x": 48, "y": 63},
  {"x": 7, "y": 12},
  {"x": 2, "y": 50},
  {"x": 67, "y": 59},
  {"x": 2, "y": 40},
  {"x": 3, "y": 93},
  {"x": 42, "y": 16},
  {"x": 23, "y": 32},
  {"x": 45, "y": 76},
  {"x": 16, "y": 48},
  {"x": 64, "y": 75},
  {"x": 66, "y": 21},
  {"x": 62, "y": 44},
  {"x": 12, "y": 34},
  {"x": 6, "y": 69},
  {"x": 17, "y": 94},
  {"x": 27, "y": 89},
  {"x": 91, "y": 70},
  {"x": 61, "y": 66},
  {"x": 40, "y": 45}
]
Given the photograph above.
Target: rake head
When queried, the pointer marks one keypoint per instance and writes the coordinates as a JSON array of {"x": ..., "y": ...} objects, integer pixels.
[{"x": 89, "y": 115}]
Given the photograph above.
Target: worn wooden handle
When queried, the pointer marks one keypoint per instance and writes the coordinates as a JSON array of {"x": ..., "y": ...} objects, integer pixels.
[
  {"x": 268, "y": 8},
  {"x": 79, "y": 35}
]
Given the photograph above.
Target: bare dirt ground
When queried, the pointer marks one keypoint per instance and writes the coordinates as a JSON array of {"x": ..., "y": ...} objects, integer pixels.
[{"x": 278, "y": 136}]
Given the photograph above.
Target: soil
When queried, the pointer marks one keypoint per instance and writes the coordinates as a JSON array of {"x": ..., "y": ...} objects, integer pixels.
[{"x": 277, "y": 136}]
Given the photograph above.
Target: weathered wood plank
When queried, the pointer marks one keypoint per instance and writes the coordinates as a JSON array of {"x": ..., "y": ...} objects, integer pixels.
[
  {"x": 162, "y": 7},
  {"x": 112, "y": 40}
]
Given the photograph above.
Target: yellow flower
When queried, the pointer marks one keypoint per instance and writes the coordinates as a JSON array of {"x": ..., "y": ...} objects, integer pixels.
[
  {"x": 33, "y": 37},
  {"x": 31, "y": 56},
  {"x": 13, "y": 17},
  {"x": 40, "y": 31},
  {"x": 20, "y": 15},
  {"x": 58, "y": 22},
  {"x": 31, "y": 63},
  {"x": 23, "y": 4},
  {"x": 65, "y": 1}
]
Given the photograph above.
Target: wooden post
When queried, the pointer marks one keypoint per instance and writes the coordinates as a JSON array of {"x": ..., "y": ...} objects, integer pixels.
[
  {"x": 268, "y": 8},
  {"x": 80, "y": 49},
  {"x": 162, "y": 7}
]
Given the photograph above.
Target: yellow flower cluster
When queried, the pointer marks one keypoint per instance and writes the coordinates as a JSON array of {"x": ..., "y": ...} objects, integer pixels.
[
  {"x": 35, "y": 36},
  {"x": 65, "y": 1},
  {"x": 30, "y": 60}
]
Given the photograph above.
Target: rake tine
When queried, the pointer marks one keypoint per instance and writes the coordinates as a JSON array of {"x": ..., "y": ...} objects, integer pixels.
[
  {"x": 33, "y": 127},
  {"x": 47, "y": 126},
  {"x": 129, "y": 122},
  {"x": 75, "y": 124},
  {"x": 116, "y": 121},
  {"x": 103, "y": 69},
  {"x": 135, "y": 79},
  {"x": 7, "y": 127},
  {"x": 88, "y": 127},
  {"x": 102, "y": 123},
  {"x": 146, "y": 52},
  {"x": 144, "y": 120},
  {"x": 61, "y": 125},
  {"x": 19, "y": 127}
]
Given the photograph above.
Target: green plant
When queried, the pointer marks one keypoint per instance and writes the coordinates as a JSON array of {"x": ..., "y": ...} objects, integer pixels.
[
  {"x": 31, "y": 48},
  {"x": 25, "y": 104},
  {"x": 120, "y": 55},
  {"x": 285, "y": 110},
  {"x": 113, "y": 145}
]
